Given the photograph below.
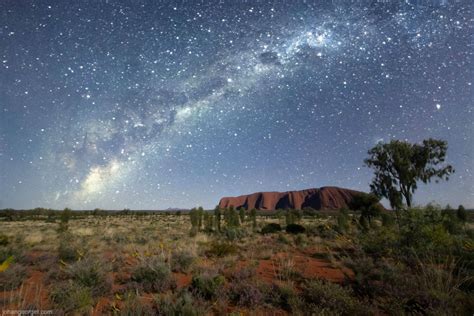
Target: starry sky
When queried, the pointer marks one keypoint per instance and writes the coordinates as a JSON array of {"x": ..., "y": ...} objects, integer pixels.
[{"x": 156, "y": 104}]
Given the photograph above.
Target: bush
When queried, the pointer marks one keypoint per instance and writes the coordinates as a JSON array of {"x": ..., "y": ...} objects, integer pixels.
[
  {"x": 89, "y": 273},
  {"x": 322, "y": 230},
  {"x": 71, "y": 297},
  {"x": 3, "y": 240},
  {"x": 295, "y": 229},
  {"x": 12, "y": 277},
  {"x": 67, "y": 250},
  {"x": 181, "y": 261},
  {"x": 133, "y": 305},
  {"x": 283, "y": 296},
  {"x": 342, "y": 222},
  {"x": 245, "y": 293},
  {"x": 182, "y": 305},
  {"x": 221, "y": 249},
  {"x": 271, "y": 228},
  {"x": 387, "y": 219},
  {"x": 324, "y": 296},
  {"x": 153, "y": 275},
  {"x": 301, "y": 240},
  {"x": 283, "y": 238},
  {"x": 233, "y": 233},
  {"x": 207, "y": 286}
]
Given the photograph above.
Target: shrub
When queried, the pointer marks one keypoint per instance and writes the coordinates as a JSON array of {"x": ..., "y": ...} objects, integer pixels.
[
  {"x": 342, "y": 222},
  {"x": 153, "y": 275},
  {"x": 89, "y": 273},
  {"x": 271, "y": 228},
  {"x": 321, "y": 295},
  {"x": 245, "y": 293},
  {"x": 3, "y": 240},
  {"x": 380, "y": 242},
  {"x": 295, "y": 229},
  {"x": 132, "y": 306},
  {"x": 71, "y": 297},
  {"x": 181, "y": 261},
  {"x": 301, "y": 240},
  {"x": 67, "y": 250},
  {"x": 283, "y": 239},
  {"x": 322, "y": 230},
  {"x": 233, "y": 233},
  {"x": 12, "y": 277},
  {"x": 207, "y": 285},
  {"x": 283, "y": 296},
  {"x": 182, "y": 304},
  {"x": 221, "y": 249},
  {"x": 242, "y": 289},
  {"x": 387, "y": 219}
]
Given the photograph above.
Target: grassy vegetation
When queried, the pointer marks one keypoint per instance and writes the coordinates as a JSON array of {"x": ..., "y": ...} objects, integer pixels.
[{"x": 343, "y": 262}]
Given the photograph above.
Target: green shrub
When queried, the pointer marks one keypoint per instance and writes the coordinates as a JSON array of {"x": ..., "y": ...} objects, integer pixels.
[
  {"x": 133, "y": 305},
  {"x": 380, "y": 242},
  {"x": 3, "y": 240},
  {"x": 153, "y": 275},
  {"x": 387, "y": 219},
  {"x": 283, "y": 239},
  {"x": 321, "y": 230},
  {"x": 207, "y": 285},
  {"x": 321, "y": 295},
  {"x": 181, "y": 261},
  {"x": 233, "y": 233},
  {"x": 221, "y": 249},
  {"x": 12, "y": 277},
  {"x": 283, "y": 296},
  {"x": 68, "y": 249},
  {"x": 91, "y": 274},
  {"x": 71, "y": 297},
  {"x": 180, "y": 304},
  {"x": 295, "y": 229},
  {"x": 271, "y": 228},
  {"x": 342, "y": 222},
  {"x": 245, "y": 292},
  {"x": 301, "y": 240}
]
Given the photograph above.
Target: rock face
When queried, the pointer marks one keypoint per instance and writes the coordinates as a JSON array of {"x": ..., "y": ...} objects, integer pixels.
[{"x": 325, "y": 198}]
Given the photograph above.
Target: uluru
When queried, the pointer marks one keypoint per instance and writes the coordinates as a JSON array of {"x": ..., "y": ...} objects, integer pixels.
[{"x": 324, "y": 198}]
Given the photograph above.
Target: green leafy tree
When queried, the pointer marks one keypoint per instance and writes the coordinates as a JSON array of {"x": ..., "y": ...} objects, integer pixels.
[
  {"x": 218, "y": 216},
  {"x": 400, "y": 165},
  {"x": 194, "y": 217},
  {"x": 231, "y": 217},
  {"x": 253, "y": 216},
  {"x": 64, "y": 219},
  {"x": 368, "y": 205},
  {"x": 200, "y": 214},
  {"x": 242, "y": 215},
  {"x": 461, "y": 214}
]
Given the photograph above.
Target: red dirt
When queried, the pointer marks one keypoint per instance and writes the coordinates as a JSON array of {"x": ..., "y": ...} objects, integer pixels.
[
  {"x": 270, "y": 270},
  {"x": 182, "y": 280}
]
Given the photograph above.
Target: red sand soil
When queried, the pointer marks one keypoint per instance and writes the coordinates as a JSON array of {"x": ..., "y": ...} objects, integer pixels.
[{"x": 268, "y": 271}]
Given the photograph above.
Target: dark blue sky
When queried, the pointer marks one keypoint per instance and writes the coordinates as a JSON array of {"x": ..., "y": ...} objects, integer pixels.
[{"x": 154, "y": 104}]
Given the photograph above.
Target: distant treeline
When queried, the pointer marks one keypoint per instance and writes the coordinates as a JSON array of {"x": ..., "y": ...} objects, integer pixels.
[{"x": 10, "y": 214}]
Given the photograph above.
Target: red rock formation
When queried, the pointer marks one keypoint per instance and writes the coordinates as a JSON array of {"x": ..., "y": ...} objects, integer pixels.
[{"x": 320, "y": 199}]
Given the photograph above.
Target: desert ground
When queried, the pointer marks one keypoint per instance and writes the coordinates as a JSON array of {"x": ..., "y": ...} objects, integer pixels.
[{"x": 185, "y": 264}]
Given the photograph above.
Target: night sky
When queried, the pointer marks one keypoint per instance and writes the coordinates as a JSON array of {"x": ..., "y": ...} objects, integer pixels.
[{"x": 154, "y": 104}]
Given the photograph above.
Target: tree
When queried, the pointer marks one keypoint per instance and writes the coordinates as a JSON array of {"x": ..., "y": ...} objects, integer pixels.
[
  {"x": 218, "y": 215},
  {"x": 242, "y": 215},
  {"x": 400, "y": 165},
  {"x": 368, "y": 205},
  {"x": 253, "y": 216},
  {"x": 461, "y": 214}
]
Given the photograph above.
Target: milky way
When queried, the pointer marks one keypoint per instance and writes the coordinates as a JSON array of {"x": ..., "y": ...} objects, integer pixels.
[{"x": 153, "y": 104}]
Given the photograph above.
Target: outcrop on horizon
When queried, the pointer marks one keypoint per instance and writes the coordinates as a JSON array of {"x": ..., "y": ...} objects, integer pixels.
[{"x": 325, "y": 198}]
